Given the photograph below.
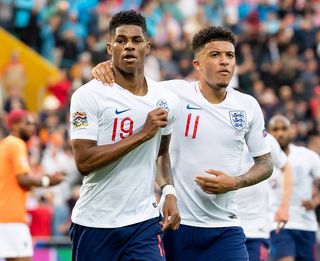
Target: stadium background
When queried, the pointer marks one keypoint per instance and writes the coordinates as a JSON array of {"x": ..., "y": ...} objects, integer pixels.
[{"x": 48, "y": 48}]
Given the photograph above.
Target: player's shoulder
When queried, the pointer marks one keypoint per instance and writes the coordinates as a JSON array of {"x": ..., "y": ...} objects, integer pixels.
[
  {"x": 241, "y": 97},
  {"x": 13, "y": 141},
  {"x": 272, "y": 139},
  {"x": 178, "y": 85},
  {"x": 303, "y": 151},
  {"x": 161, "y": 92},
  {"x": 90, "y": 88}
]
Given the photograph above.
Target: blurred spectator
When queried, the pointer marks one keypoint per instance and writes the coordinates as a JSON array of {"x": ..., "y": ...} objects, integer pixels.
[
  {"x": 13, "y": 73},
  {"x": 61, "y": 90},
  {"x": 41, "y": 217}
]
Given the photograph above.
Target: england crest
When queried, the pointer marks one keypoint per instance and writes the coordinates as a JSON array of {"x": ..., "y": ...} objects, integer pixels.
[
  {"x": 163, "y": 104},
  {"x": 238, "y": 119}
]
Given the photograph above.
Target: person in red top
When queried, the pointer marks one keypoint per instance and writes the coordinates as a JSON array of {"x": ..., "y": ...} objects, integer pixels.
[{"x": 15, "y": 181}]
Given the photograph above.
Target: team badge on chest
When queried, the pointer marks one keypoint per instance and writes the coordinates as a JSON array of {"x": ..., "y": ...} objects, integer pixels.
[
  {"x": 163, "y": 104},
  {"x": 238, "y": 119}
]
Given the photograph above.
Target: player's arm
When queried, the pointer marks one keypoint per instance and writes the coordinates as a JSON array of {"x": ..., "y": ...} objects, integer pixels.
[
  {"x": 314, "y": 161},
  {"x": 315, "y": 201},
  {"x": 89, "y": 156},
  {"x": 103, "y": 72},
  {"x": 282, "y": 213},
  {"x": 219, "y": 182},
  {"x": 261, "y": 170},
  {"x": 171, "y": 216},
  {"x": 21, "y": 168},
  {"x": 27, "y": 181}
]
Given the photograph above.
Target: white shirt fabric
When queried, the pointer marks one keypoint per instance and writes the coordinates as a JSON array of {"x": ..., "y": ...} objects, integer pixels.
[
  {"x": 305, "y": 167},
  {"x": 120, "y": 193},
  {"x": 211, "y": 136},
  {"x": 253, "y": 201}
]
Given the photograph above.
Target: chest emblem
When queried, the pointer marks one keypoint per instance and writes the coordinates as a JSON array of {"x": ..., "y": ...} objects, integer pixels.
[
  {"x": 238, "y": 119},
  {"x": 163, "y": 104}
]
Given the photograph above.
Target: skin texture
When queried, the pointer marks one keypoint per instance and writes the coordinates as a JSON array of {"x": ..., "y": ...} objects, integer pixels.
[
  {"x": 282, "y": 213},
  {"x": 128, "y": 47}
]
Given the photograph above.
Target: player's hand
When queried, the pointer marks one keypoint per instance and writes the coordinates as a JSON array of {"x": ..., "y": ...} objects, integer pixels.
[
  {"x": 103, "y": 72},
  {"x": 281, "y": 217},
  {"x": 309, "y": 204},
  {"x": 218, "y": 182},
  {"x": 56, "y": 178},
  {"x": 171, "y": 216},
  {"x": 156, "y": 119}
]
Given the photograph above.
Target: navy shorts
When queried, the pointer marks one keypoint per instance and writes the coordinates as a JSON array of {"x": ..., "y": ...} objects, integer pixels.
[
  {"x": 257, "y": 249},
  {"x": 141, "y": 241},
  {"x": 197, "y": 243},
  {"x": 300, "y": 244}
]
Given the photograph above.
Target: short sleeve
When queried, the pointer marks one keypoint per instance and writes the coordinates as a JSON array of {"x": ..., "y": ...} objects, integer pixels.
[
  {"x": 315, "y": 163},
  {"x": 20, "y": 158},
  {"x": 256, "y": 138},
  {"x": 174, "y": 111},
  {"x": 279, "y": 158},
  {"x": 83, "y": 116}
]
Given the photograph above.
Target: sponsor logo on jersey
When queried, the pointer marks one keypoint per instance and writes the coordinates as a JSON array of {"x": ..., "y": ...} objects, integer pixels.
[
  {"x": 79, "y": 119},
  {"x": 190, "y": 107},
  {"x": 121, "y": 111},
  {"x": 238, "y": 119},
  {"x": 163, "y": 104}
]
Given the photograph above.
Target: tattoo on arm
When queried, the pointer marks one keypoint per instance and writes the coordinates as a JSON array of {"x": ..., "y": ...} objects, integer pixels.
[
  {"x": 261, "y": 170},
  {"x": 164, "y": 174}
]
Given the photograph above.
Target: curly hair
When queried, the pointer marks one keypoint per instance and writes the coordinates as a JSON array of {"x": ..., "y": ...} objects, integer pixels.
[
  {"x": 209, "y": 34},
  {"x": 130, "y": 17}
]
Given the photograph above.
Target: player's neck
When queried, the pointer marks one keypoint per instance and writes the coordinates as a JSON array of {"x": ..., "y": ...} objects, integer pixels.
[
  {"x": 134, "y": 83},
  {"x": 213, "y": 95},
  {"x": 286, "y": 150}
]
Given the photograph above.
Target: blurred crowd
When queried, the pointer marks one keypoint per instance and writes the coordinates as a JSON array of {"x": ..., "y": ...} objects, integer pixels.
[{"x": 278, "y": 55}]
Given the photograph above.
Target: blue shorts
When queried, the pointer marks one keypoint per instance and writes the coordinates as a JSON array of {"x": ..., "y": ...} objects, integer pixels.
[
  {"x": 257, "y": 249},
  {"x": 300, "y": 244},
  {"x": 197, "y": 243},
  {"x": 141, "y": 241}
]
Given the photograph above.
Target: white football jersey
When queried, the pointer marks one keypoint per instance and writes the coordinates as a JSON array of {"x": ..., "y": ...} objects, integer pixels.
[
  {"x": 253, "y": 201},
  {"x": 305, "y": 168},
  {"x": 211, "y": 136},
  {"x": 122, "y": 192}
]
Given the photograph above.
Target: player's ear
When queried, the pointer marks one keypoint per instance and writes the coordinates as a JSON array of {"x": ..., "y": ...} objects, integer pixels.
[
  {"x": 148, "y": 47},
  {"x": 109, "y": 48},
  {"x": 196, "y": 65}
]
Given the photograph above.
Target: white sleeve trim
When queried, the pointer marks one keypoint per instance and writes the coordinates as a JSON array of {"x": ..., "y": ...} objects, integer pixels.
[
  {"x": 75, "y": 136},
  {"x": 260, "y": 153}
]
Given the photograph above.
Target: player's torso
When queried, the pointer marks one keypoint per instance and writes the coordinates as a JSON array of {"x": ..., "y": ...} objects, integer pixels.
[
  {"x": 210, "y": 135},
  {"x": 301, "y": 174},
  {"x": 207, "y": 136}
]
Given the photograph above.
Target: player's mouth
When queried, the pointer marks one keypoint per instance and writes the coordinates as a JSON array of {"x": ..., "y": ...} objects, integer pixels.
[
  {"x": 129, "y": 57},
  {"x": 224, "y": 72}
]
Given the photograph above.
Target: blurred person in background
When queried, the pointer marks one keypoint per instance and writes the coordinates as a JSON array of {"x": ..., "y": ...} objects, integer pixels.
[
  {"x": 297, "y": 240},
  {"x": 15, "y": 181},
  {"x": 254, "y": 214}
]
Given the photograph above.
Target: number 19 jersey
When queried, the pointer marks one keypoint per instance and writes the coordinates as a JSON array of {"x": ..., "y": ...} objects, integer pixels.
[{"x": 122, "y": 192}]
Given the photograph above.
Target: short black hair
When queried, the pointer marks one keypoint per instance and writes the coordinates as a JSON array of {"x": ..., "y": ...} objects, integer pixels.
[
  {"x": 209, "y": 34},
  {"x": 130, "y": 17}
]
